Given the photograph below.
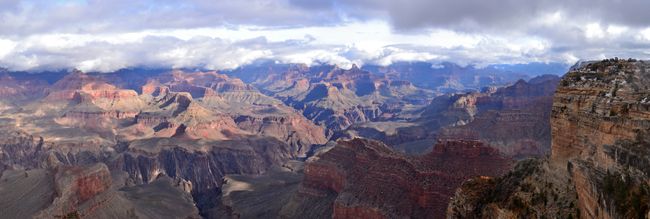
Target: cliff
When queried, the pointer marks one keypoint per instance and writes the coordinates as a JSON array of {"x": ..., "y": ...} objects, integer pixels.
[
  {"x": 514, "y": 119},
  {"x": 364, "y": 178},
  {"x": 600, "y": 122},
  {"x": 336, "y": 98}
]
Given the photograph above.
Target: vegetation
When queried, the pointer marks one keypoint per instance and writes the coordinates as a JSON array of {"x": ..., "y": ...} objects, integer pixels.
[
  {"x": 71, "y": 215},
  {"x": 629, "y": 199}
]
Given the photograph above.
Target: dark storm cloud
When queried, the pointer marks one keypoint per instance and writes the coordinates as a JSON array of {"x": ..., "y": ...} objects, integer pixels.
[
  {"x": 96, "y": 16},
  {"x": 498, "y": 14},
  {"x": 313, "y": 4},
  {"x": 25, "y": 17}
]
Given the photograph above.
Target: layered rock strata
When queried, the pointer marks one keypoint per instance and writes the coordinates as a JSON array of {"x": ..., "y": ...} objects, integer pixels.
[
  {"x": 364, "y": 178},
  {"x": 600, "y": 144}
]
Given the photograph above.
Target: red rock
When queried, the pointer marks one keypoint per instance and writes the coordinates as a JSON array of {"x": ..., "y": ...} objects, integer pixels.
[
  {"x": 370, "y": 179},
  {"x": 76, "y": 184}
]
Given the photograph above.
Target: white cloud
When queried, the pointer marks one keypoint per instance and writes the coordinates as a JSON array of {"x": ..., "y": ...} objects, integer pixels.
[
  {"x": 358, "y": 42},
  {"x": 594, "y": 30},
  {"x": 645, "y": 34},
  {"x": 6, "y": 47},
  {"x": 108, "y": 35}
]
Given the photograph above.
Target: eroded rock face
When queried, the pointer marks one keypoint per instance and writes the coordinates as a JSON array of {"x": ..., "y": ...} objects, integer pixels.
[
  {"x": 336, "y": 98},
  {"x": 601, "y": 118},
  {"x": 600, "y": 144},
  {"x": 76, "y": 185},
  {"x": 12, "y": 88},
  {"x": 191, "y": 127},
  {"x": 368, "y": 179},
  {"x": 296, "y": 130},
  {"x": 86, "y": 179},
  {"x": 252, "y": 112},
  {"x": 514, "y": 119},
  {"x": 532, "y": 190}
]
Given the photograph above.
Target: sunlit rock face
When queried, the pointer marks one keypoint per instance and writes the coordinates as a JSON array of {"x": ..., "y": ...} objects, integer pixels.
[{"x": 185, "y": 131}]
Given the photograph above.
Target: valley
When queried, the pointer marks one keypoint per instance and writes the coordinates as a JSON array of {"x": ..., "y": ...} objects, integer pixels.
[{"x": 226, "y": 144}]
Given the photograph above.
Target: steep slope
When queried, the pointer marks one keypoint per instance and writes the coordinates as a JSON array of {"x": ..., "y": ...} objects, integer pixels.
[
  {"x": 15, "y": 89},
  {"x": 251, "y": 110},
  {"x": 600, "y": 124},
  {"x": 514, "y": 119},
  {"x": 364, "y": 178},
  {"x": 178, "y": 115},
  {"x": 78, "y": 192},
  {"x": 336, "y": 98},
  {"x": 83, "y": 120},
  {"x": 197, "y": 166}
]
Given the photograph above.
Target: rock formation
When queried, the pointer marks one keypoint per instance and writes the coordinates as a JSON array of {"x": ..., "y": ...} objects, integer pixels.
[
  {"x": 185, "y": 132},
  {"x": 252, "y": 111},
  {"x": 336, "y": 98},
  {"x": 105, "y": 145},
  {"x": 364, "y": 178},
  {"x": 449, "y": 77},
  {"x": 12, "y": 88},
  {"x": 89, "y": 191},
  {"x": 514, "y": 119},
  {"x": 599, "y": 149}
]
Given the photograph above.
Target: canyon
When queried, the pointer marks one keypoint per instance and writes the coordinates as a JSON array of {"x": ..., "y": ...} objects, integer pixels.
[
  {"x": 365, "y": 178},
  {"x": 328, "y": 142},
  {"x": 598, "y": 167}
]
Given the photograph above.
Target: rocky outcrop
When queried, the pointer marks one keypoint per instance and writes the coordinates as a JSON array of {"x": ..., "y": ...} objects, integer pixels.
[
  {"x": 87, "y": 180},
  {"x": 178, "y": 114},
  {"x": 89, "y": 191},
  {"x": 599, "y": 143},
  {"x": 532, "y": 190},
  {"x": 202, "y": 164},
  {"x": 19, "y": 150},
  {"x": 364, "y": 178},
  {"x": 66, "y": 88},
  {"x": 75, "y": 185},
  {"x": 88, "y": 101},
  {"x": 294, "y": 129}
]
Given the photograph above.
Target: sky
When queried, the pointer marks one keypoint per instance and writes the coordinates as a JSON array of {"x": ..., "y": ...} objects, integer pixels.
[{"x": 104, "y": 36}]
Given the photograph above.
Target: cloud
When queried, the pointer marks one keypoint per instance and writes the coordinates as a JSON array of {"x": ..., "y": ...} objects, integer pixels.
[
  {"x": 98, "y": 35},
  {"x": 498, "y": 14},
  {"x": 20, "y": 18}
]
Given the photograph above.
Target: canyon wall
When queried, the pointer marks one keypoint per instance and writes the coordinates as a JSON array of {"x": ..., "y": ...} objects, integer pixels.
[
  {"x": 600, "y": 146},
  {"x": 365, "y": 178}
]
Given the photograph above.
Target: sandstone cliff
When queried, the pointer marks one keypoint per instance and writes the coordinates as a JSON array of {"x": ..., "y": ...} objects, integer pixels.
[{"x": 600, "y": 122}]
